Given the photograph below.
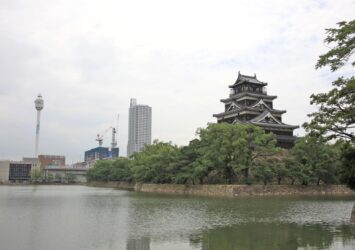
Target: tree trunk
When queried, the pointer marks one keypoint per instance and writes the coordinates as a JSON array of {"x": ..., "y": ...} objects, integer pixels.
[
  {"x": 228, "y": 175},
  {"x": 246, "y": 173}
]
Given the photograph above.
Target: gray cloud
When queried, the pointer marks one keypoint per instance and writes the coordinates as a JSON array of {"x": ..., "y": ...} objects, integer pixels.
[{"x": 88, "y": 58}]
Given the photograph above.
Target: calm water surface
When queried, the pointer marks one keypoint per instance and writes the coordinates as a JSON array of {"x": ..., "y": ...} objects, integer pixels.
[{"x": 78, "y": 218}]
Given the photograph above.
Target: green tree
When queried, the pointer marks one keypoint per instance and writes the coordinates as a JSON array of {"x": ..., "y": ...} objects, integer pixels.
[
  {"x": 101, "y": 171},
  {"x": 319, "y": 161},
  {"x": 36, "y": 175},
  {"x": 260, "y": 146},
  {"x": 279, "y": 168},
  {"x": 228, "y": 149},
  {"x": 120, "y": 170},
  {"x": 218, "y": 151},
  {"x": 294, "y": 169},
  {"x": 156, "y": 163},
  {"x": 347, "y": 163},
  {"x": 344, "y": 40},
  {"x": 57, "y": 178},
  {"x": 264, "y": 171},
  {"x": 110, "y": 170},
  {"x": 336, "y": 115},
  {"x": 69, "y": 178},
  {"x": 49, "y": 177},
  {"x": 186, "y": 165}
]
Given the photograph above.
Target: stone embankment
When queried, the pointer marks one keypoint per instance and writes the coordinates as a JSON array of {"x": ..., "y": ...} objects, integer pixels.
[
  {"x": 112, "y": 184},
  {"x": 229, "y": 190}
]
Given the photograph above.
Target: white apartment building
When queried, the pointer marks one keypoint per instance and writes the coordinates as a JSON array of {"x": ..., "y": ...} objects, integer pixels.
[{"x": 139, "y": 127}]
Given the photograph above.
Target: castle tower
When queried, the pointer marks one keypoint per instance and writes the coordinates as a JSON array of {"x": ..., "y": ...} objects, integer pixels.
[{"x": 248, "y": 103}]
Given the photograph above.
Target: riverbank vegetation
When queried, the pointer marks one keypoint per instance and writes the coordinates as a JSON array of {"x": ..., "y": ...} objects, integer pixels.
[
  {"x": 232, "y": 154},
  {"x": 39, "y": 177},
  {"x": 335, "y": 117},
  {"x": 225, "y": 153}
]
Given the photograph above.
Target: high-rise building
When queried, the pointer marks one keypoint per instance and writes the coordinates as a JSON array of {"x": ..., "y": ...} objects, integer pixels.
[
  {"x": 139, "y": 127},
  {"x": 249, "y": 103}
]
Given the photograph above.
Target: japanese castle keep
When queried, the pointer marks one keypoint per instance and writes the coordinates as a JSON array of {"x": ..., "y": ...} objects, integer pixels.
[{"x": 248, "y": 103}]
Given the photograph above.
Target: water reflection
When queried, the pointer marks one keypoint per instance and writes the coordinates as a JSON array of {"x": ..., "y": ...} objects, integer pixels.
[
  {"x": 78, "y": 218},
  {"x": 264, "y": 236},
  {"x": 277, "y": 236},
  {"x": 253, "y": 223},
  {"x": 138, "y": 244}
]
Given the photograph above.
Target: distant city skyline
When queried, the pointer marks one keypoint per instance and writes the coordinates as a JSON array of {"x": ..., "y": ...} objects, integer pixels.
[
  {"x": 139, "y": 127},
  {"x": 88, "y": 58}
]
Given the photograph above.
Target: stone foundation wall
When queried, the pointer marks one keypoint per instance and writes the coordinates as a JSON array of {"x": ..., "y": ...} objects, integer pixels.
[
  {"x": 199, "y": 190},
  {"x": 270, "y": 190},
  {"x": 230, "y": 190},
  {"x": 112, "y": 184}
]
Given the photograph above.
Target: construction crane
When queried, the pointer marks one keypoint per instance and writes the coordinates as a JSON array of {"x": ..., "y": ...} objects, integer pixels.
[
  {"x": 100, "y": 137},
  {"x": 114, "y": 131}
]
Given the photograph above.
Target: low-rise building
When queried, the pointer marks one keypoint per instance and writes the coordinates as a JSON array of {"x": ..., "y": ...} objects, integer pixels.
[
  {"x": 20, "y": 171},
  {"x": 4, "y": 171},
  {"x": 51, "y": 160},
  {"x": 33, "y": 160},
  {"x": 15, "y": 171}
]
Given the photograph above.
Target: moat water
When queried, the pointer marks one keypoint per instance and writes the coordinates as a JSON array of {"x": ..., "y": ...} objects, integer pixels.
[{"x": 85, "y": 218}]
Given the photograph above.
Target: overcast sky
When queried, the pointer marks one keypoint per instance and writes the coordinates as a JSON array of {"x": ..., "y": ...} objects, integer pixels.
[{"x": 88, "y": 58}]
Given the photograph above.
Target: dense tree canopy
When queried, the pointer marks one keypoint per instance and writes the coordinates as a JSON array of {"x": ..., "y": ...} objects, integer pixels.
[
  {"x": 230, "y": 149},
  {"x": 156, "y": 163},
  {"x": 317, "y": 160},
  {"x": 226, "y": 153},
  {"x": 107, "y": 170},
  {"x": 347, "y": 163},
  {"x": 188, "y": 167}
]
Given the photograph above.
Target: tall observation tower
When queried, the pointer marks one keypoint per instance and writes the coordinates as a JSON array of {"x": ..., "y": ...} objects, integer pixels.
[{"x": 39, "y": 107}]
